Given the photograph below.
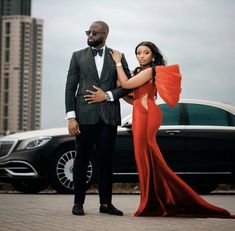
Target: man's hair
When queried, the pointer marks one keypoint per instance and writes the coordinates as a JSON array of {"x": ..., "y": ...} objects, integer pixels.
[{"x": 103, "y": 24}]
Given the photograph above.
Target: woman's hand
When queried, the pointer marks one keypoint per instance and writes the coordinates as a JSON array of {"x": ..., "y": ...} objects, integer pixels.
[{"x": 116, "y": 55}]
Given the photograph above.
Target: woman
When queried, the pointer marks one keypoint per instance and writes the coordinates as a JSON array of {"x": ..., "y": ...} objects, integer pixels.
[{"x": 163, "y": 193}]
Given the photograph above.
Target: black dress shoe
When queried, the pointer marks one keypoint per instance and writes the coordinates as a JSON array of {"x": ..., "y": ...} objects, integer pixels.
[
  {"x": 110, "y": 209},
  {"x": 78, "y": 210}
]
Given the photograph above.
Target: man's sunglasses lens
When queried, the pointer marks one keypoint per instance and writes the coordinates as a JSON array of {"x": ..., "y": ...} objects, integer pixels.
[{"x": 88, "y": 32}]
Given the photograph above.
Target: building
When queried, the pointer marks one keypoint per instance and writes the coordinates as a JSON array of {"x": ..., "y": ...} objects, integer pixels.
[
  {"x": 15, "y": 7},
  {"x": 21, "y": 68}
]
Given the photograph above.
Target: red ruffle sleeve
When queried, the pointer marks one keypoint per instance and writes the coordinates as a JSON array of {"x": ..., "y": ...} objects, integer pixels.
[{"x": 168, "y": 83}]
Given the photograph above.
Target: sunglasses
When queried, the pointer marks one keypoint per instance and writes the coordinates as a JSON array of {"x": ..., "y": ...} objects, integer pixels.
[{"x": 93, "y": 33}]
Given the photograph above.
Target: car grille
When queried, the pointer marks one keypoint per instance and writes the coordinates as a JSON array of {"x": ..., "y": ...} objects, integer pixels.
[
  {"x": 6, "y": 147},
  {"x": 17, "y": 169}
]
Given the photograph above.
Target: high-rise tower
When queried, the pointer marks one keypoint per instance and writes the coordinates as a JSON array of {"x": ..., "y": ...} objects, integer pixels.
[
  {"x": 21, "y": 67},
  {"x": 15, "y": 7}
]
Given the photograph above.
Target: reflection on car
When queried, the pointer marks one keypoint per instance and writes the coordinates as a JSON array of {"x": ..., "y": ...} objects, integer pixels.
[{"x": 196, "y": 138}]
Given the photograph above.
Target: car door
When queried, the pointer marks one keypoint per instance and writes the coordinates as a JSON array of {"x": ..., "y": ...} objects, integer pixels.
[
  {"x": 171, "y": 137},
  {"x": 124, "y": 159},
  {"x": 209, "y": 146}
]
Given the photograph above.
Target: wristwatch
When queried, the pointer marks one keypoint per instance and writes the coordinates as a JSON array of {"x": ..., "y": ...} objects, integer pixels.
[
  {"x": 118, "y": 64},
  {"x": 107, "y": 98}
]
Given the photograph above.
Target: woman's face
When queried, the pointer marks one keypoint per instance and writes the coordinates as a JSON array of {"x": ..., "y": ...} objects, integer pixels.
[{"x": 144, "y": 55}]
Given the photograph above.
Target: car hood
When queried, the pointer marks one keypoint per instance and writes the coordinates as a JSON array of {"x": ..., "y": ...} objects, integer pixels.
[
  {"x": 37, "y": 133},
  {"x": 42, "y": 133}
]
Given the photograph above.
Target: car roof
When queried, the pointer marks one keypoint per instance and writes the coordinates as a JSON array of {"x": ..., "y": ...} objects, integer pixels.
[{"x": 222, "y": 105}]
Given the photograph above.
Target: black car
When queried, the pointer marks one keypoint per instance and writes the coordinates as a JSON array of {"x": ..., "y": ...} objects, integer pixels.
[{"x": 197, "y": 139}]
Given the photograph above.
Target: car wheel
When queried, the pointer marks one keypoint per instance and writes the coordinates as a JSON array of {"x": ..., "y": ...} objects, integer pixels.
[
  {"x": 62, "y": 172},
  {"x": 203, "y": 188},
  {"x": 29, "y": 186}
]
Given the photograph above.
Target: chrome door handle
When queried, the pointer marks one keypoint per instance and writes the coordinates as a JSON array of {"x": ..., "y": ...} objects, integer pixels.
[{"x": 173, "y": 132}]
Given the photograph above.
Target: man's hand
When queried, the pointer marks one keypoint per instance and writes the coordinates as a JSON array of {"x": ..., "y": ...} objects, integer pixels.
[
  {"x": 95, "y": 96},
  {"x": 73, "y": 127}
]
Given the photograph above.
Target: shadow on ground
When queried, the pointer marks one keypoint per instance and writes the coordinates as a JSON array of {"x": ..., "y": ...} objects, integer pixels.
[{"x": 120, "y": 188}]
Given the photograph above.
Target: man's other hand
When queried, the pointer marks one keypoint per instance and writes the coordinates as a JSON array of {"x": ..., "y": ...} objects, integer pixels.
[{"x": 73, "y": 127}]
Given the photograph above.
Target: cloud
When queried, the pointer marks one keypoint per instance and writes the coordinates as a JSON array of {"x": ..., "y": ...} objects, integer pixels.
[{"x": 197, "y": 34}]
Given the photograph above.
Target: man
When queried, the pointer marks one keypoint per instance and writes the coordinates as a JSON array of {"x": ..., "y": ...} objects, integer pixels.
[{"x": 93, "y": 112}]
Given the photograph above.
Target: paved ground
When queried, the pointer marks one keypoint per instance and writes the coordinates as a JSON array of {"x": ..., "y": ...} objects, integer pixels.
[{"x": 53, "y": 212}]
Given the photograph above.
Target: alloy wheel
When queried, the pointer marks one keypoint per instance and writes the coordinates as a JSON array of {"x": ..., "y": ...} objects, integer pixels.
[{"x": 64, "y": 169}]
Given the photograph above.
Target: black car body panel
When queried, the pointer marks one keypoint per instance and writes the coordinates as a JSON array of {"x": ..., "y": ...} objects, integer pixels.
[{"x": 196, "y": 139}]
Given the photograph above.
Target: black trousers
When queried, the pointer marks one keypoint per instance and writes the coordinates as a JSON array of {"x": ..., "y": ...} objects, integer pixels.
[{"x": 100, "y": 140}]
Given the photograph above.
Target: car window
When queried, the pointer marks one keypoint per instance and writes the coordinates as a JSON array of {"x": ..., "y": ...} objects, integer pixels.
[
  {"x": 206, "y": 115},
  {"x": 171, "y": 116},
  {"x": 233, "y": 119}
]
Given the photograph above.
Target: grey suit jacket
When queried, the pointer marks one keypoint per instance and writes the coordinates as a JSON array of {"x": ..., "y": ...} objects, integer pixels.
[{"x": 82, "y": 75}]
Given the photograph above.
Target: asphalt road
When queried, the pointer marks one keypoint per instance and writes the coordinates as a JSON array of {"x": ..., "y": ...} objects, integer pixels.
[{"x": 50, "y": 211}]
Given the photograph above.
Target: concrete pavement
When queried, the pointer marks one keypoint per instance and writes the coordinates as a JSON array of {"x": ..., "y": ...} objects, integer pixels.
[{"x": 53, "y": 212}]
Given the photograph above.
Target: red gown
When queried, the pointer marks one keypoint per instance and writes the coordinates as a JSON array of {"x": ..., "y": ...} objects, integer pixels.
[{"x": 163, "y": 193}]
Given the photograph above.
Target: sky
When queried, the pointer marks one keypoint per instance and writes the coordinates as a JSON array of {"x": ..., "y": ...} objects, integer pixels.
[{"x": 198, "y": 35}]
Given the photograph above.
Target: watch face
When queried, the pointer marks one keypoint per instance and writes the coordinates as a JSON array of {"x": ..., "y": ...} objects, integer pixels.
[{"x": 107, "y": 97}]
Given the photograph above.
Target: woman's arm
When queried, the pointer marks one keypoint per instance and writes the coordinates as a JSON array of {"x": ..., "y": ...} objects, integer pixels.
[{"x": 137, "y": 80}]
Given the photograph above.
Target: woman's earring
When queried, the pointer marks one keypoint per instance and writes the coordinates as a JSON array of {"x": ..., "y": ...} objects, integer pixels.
[{"x": 153, "y": 62}]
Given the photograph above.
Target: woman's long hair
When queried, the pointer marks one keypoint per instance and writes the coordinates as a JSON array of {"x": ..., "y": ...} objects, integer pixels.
[{"x": 158, "y": 58}]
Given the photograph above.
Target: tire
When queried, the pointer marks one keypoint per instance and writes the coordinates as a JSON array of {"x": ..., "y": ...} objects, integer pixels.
[
  {"x": 62, "y": 171},
  {"x": 204, "y": 188},
  {"x": 29, "y": 186}
]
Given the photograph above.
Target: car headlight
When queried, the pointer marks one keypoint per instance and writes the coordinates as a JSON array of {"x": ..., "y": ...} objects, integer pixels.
[{"x": 33, "y": 143}]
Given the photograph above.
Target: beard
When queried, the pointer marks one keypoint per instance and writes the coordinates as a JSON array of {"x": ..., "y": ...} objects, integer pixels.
[{"x": 95, "y": 43}]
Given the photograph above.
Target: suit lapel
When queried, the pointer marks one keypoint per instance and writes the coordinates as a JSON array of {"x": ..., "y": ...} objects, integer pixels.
[
  {"x": 92, "y": 70},
  {"x": 106, "y": 66}
]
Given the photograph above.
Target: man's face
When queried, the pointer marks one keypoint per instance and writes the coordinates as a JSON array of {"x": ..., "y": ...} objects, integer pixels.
[{"x": 96, "y": 35}]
